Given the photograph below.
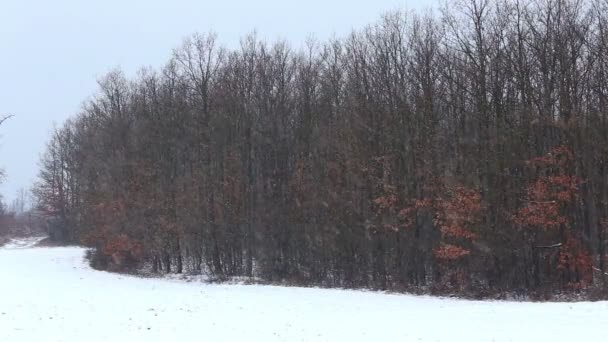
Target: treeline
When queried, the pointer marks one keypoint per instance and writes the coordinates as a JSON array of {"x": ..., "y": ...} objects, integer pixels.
[
  {"x": 463, "y": 151},
  {"x": 19, "y": 218}
]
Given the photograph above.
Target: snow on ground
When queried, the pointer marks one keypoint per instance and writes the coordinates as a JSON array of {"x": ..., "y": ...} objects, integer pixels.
[
  {"x": 50, "y": 294},
  {"x": 20, "y": 243}
]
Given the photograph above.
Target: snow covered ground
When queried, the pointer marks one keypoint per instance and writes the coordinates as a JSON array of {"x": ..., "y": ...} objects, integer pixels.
[
  {"x": 28, "y": 242},
  {"x": 50, "y": 294}
]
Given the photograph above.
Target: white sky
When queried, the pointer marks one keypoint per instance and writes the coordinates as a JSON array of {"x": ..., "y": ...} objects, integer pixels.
[{"x": 52, "y": 52}]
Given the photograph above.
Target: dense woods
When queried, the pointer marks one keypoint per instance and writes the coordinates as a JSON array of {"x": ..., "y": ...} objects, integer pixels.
[{"x": 463, "y": 150}]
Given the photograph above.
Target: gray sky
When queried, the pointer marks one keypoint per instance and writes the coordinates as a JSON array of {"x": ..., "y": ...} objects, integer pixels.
[{"x": 52, "y": 52}]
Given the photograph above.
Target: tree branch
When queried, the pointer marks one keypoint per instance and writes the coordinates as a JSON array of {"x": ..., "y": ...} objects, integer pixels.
[
  {"x": 550, "y": 246},
  {"x": 4, "y": 118},
  {"x": 597, "y": 269}
]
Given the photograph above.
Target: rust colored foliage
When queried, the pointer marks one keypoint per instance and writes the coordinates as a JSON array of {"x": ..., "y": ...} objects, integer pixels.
[
  {"x": 122, "y": 244},
  {"x": 456, "y": 217},
  {"x": 385, "y": 207},
  {"x": 386, "y": 202},
  {"x": 104, "y": 217},
  {"x": 542, "y": 208},
  {"x": 575, "y": 259},
  {"x": 408, "y": 214},
  {"x": 449, "y": 252},
  {"x": 404, "y": 217},
  {"x": 547, "y": 196},
  {"x": 107, "y": 236},
  {"x": 547, "y": 208},
  {"x": 457, "y": 214},
  {"x": 558, "y": 156}
]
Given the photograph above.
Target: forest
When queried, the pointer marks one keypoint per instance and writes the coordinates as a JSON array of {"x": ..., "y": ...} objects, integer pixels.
[{"x": 462, "y": 150}]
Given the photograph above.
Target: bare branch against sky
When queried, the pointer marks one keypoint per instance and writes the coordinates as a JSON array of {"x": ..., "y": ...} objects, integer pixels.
[{"x": 53, "y": 51}]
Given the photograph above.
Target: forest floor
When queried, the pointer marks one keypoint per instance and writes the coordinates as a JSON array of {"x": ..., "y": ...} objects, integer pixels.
[{"x": 51, "y": 294}]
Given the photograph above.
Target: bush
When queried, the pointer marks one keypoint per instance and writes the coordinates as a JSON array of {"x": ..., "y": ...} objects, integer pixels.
[{"x": 97, "y": 260}]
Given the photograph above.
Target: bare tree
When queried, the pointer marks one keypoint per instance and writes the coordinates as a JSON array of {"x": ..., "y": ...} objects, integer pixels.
[{"x": 460, "y": 151}]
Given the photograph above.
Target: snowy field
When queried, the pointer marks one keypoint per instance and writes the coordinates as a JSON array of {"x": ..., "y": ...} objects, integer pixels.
[{"x": 50, "y": 294}]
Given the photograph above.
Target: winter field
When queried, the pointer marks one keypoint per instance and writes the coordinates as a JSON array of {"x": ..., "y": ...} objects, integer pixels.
[{"x": 50, "y": 294}]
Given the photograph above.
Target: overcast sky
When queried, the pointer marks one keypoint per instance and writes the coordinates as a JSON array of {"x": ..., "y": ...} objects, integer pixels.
[{"x": 52, "y": 52}]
